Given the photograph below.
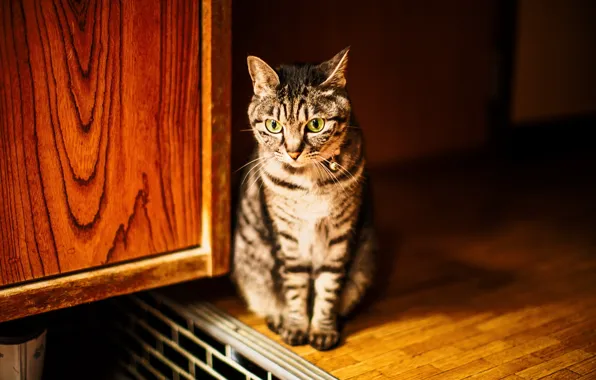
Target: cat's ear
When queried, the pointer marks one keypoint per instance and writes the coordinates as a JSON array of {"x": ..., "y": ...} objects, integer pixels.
[
  {"x": 264, "y": 78},
  {"x": 336, "y": 69}
]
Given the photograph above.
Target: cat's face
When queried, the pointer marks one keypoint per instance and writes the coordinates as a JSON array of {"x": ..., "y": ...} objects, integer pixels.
[{"x": 300, "y": 113}]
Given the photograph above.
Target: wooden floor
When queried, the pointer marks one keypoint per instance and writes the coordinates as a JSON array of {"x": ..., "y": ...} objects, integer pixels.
[{"x": 488, "y": 272}]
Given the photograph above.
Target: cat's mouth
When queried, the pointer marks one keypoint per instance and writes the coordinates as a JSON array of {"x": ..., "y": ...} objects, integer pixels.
[
  {"x": 298, "y": 163},
  {"x": 311, "y": 159}
]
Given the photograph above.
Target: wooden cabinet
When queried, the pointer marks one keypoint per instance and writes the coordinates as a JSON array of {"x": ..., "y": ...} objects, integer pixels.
[{"x": 114, "y": 148}]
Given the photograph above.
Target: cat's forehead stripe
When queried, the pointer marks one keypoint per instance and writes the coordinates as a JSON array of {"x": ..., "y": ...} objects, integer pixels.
[{"x": 299, "y": 106}]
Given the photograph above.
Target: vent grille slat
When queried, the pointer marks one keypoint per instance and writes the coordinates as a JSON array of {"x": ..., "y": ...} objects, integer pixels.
[{"x": 160, "y": 339}]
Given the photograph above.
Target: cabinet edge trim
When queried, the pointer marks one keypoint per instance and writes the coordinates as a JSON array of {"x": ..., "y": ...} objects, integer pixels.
[{"x": 100, "y": 283}]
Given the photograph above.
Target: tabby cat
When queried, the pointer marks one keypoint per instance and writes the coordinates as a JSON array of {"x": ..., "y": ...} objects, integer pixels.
[{"x": 304, "y": 241}]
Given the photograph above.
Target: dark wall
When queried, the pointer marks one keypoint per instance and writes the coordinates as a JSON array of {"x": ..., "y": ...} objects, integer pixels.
[
  {"x": 555, "y": 65},
  {"x": 419, "y": 71}
]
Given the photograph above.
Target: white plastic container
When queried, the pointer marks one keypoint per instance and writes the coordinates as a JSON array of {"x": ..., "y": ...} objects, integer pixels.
[{"x": 22, "y": 350}]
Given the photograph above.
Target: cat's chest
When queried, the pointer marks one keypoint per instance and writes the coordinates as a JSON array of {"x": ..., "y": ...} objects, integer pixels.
[
  {"x": 313, "y": 213},
  {"x": 312, "y": 208}
]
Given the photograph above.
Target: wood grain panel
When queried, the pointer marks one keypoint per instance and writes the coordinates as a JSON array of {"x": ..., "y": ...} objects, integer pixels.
[
  {"x": 99, "y": 133},
  {"x": 216, "y": 83}
]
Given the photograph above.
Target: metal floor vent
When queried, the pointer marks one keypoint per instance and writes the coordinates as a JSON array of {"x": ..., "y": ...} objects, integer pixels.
[{"x": 158, "y": 338}]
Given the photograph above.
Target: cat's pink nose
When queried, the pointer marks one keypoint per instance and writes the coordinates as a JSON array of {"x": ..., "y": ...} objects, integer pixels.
[{"x": 294, "y": 155}]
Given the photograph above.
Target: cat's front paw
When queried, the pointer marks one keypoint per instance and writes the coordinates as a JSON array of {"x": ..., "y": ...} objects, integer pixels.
[
  {"x": 274, "y": 324},
  {"x": 323, "y": 340},
  {"x": 294, "y": 336}
]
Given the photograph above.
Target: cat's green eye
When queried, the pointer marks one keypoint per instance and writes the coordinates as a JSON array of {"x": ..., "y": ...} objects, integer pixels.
[
  {"x": 273, "y": 126},
  {"x": 316, "y": 125}
]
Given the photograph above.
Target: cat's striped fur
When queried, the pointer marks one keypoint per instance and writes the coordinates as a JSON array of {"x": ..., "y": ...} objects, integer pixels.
[{"x": 304, "y": 240}]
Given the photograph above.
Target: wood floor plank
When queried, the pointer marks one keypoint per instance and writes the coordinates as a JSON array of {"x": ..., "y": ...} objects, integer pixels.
[
  {"x": 419, "y": 373},
  {"x": 589, "y": 376},
  {"x": 465, "y": 370},
  {"x": 370, "y": 375},
  {"x": 584, "y": 367},
  {"x": 573, "y": 320},
  {"x": 332, "y": 363},
  {"x": 412, "y": 337},
  {"x": 521, "y": 350},
  {"x": 508, "y": 368},
  {"x": 404, "y": 364},
  {"x": 370, "y": 350},
  {"x": 554, "y": 365},
  {"x": 432, "y": 342},
  {"x": 352, "y": 371},
  {"x": 563, "y": 374},
  {"x": 469, "y": 356}
]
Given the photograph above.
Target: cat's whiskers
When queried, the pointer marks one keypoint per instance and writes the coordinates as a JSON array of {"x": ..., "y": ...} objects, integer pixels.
[
  {"x": 313, "y": 159},
  {"x": 257, "y": 174},
  {"x": 248, "y": 163},
  {"x": 322, "y": 173},
  {"x": 258, "y": 161},
  {"x": 334, "y": 178},
  {"x": 261, "y": 163},
  {"x": 342, "y": 169}
]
